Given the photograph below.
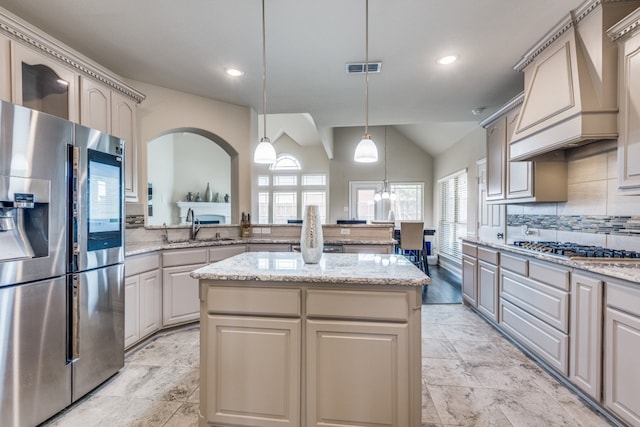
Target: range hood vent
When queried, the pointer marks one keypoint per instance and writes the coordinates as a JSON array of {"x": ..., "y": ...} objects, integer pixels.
[
  {"x": 571, "y": 79},
  {"x": 359, "y": 67}
]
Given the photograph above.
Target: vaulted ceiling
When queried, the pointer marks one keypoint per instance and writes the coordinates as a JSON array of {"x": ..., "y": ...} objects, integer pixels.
[{"x": 186, "y": 45}]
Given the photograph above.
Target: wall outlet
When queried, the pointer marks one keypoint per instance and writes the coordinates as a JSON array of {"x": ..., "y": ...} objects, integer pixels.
[
  {"x": 346, "y": 209},
  {"x": 256, "y": 230},
  {"x": 345, "y": 231},
  {"x": 266, "y": 230}
]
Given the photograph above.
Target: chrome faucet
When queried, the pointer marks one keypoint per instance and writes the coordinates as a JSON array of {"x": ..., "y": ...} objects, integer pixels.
[{"x": 195, "y": 224}]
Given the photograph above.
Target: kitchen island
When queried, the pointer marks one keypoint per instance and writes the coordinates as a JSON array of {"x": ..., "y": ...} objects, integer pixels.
[{"x": 288, "y": 343}]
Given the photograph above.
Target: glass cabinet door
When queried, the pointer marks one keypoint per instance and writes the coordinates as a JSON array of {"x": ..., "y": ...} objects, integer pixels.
[{"x": 44, "y": 84}]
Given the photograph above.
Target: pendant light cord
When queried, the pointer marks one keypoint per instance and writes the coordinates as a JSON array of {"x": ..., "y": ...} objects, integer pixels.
[
  {"x": 264, "y": 76},
  {"x": 366, "y": 68}
]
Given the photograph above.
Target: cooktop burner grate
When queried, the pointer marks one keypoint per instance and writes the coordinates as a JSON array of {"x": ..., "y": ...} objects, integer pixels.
[{"x": 575, "y": 250}]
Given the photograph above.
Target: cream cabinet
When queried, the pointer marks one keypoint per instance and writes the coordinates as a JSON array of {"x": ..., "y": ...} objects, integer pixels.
[
  {"x": 41, "y": 83},
  {"x": 303, "y": 349},
  {"x": 519, "y": 182},
  {"x": 488, "y": 260},
  {"x": 181, "y": 303},
  {"x": 109, "y": 111},
  {"x": 5, "y": 69},
  {"x": 621, "y": 349},
  {"x": 629, "y": 105},
  {"x": 585, "y": 368},
  {"x": 143, "y": 297},
  {"x": 470, "y": 274}
]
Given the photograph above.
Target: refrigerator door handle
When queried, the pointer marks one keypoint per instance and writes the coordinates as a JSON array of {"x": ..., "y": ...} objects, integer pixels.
[{"x": 75, "y": 319}]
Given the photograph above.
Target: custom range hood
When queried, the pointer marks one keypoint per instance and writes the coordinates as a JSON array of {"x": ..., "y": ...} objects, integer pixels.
[{"x": 570, "y": 79}]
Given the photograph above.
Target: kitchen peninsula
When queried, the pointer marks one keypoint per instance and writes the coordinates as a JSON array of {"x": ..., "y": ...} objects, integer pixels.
[{"x": 289, "y": 343}]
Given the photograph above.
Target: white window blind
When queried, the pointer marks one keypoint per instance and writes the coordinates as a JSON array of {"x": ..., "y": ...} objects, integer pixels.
[{"x": 453, "y": 214}]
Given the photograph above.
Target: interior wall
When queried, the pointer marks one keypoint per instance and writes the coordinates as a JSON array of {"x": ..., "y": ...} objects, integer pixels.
[
  {"x": 166, "y": 109},
  {"x": 406, "y": 162},
  {"x": 161, "y": 176},
  {"x": 463, "y": 155}
]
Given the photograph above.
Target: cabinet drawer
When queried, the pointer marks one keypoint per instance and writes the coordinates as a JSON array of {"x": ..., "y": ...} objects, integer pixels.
[
  {"x": 488, "y": 255},
  {"x": 625, "y": 297},
  {"x": 469, "y": 249},
  {"x": 547, "y": 342},
  {"x": 184, "y": 257},
  {"x": 545, "y": 302},
  {"x": 515, "y": 264},
  {"x": 218, "y": 254},
  {"x": 370, "y": 305},
  {"x": 254, "y": 301},
  {"x": 554, "y": 276},
  {"x": 140, "y": 263}
]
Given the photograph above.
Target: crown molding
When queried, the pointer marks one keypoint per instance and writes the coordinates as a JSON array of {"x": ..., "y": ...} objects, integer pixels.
[
  {"x": 628, "y": 25},
  {"x": 21, "y": 32},
  {"x": 516, "y": 101},
  {"x": 567, "y": 23}
]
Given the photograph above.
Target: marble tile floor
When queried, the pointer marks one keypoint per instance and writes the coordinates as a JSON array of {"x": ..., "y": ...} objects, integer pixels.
[{"x": 471, "y": 376}]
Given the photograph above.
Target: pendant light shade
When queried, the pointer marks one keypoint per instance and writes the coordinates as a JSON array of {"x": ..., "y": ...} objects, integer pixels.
[
  {"x": 366, "y": 150},
  {"x": 265, "y": 153}
]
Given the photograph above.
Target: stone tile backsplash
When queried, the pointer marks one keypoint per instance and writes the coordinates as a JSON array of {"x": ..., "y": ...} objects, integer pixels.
[{"x": 599, "y": 224}]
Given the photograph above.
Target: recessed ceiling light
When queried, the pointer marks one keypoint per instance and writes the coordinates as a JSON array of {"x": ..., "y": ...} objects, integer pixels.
[
  {"x": 234, "y": 72},
  {"x": 446, "y": 60}
]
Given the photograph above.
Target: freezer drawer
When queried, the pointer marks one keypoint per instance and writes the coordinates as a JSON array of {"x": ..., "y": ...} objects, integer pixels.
[
  {"x": 100, "y": 330},
  {"x": 35, "y": 379}
]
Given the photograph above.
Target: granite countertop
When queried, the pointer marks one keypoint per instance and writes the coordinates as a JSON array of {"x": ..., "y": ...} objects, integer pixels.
[
  {"x": 619, "y": 268},
  {"x": 146, "y": 247},
  {"x": 349, "y": 269}
]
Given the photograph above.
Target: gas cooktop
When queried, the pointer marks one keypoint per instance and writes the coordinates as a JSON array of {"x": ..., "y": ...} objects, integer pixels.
[{"x": 577, "y": 251}]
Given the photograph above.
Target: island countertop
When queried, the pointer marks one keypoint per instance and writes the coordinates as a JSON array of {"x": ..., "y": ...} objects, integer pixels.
[{"x": 359, "y": 269}]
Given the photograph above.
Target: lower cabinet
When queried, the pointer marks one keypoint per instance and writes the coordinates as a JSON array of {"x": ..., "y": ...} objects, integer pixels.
[
  {"x": 585, "y": 368},
  {"x": 621, "y": 349},
  {"x": 367, "y": 249},
  {"x": 268, "y": 247},
  {"x": 291, "y": 355},
  {"x": 143, "y": 297},
  {"x": 488, "y": 281},
  {"x": 254, "y": 374},
  {"x": 367, "y": 360},
  {"x": 181, "y": 303},
  {"x": 469, "y": 280}
]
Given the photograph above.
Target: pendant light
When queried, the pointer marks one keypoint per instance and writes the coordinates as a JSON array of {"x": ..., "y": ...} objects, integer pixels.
[
  {"x": 366, "y": 151},
  {"x": 386, "y": 192},
  {"x": 265, "y": 153}
]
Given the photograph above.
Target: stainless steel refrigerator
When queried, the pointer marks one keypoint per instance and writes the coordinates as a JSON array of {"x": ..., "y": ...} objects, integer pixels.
[{"x": 61, "y": 263}]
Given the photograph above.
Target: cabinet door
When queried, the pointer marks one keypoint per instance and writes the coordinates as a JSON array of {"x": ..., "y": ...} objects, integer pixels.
[
  {"x": 519, "y": 174},
  {"x": 622, "y": 371},
  {"x": 180, "y": 295},
  {"x": 43, "y": 84},
  {"x": 469, "y": 280},
  {"x": 131, "y": 310},
  {"x": 5, "y": 69},
  {"x": 629, "y": 117},
  {"x": 491, "y": 217},
  {"x": 368, "y": 363},
  {"x": 150, "y": 303},
  {"x": 488, "y": 290},
  {"x": 496, "y": 159},
  {"x": 262, "y": 387},
  {"x": 95, "y": 105},
  {"x": 585, "y": 369},
  {"x": 123, "y": 125}
]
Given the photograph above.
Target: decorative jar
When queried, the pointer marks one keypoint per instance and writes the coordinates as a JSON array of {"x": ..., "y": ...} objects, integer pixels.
[{"x": 311, "y": 239}]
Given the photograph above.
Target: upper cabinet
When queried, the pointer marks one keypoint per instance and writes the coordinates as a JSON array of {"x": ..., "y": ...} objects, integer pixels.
[
  {"x": 570, "y": 79},
  {"x": 109, "y": 111},
  {"x": 627, "y": 34},
  {"x": 43, "y": 84},
  {"x": 41, "y": 73},
  {"x": 519, "y": 182},
  {"x": 5, "y": 69}
]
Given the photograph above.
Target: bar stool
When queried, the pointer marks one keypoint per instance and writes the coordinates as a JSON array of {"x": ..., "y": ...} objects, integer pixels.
[{"x": 412, "y": 242}]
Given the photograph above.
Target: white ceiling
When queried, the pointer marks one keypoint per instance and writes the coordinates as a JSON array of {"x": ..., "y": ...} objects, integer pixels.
[{"x": 186, "y": 45}]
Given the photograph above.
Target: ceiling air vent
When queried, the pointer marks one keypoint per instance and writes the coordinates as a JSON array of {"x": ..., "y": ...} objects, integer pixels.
[{"x": 358, "y": 67}]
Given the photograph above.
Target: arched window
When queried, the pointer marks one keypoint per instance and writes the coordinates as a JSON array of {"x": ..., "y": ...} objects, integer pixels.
[{"x": 286, "y": 190}]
